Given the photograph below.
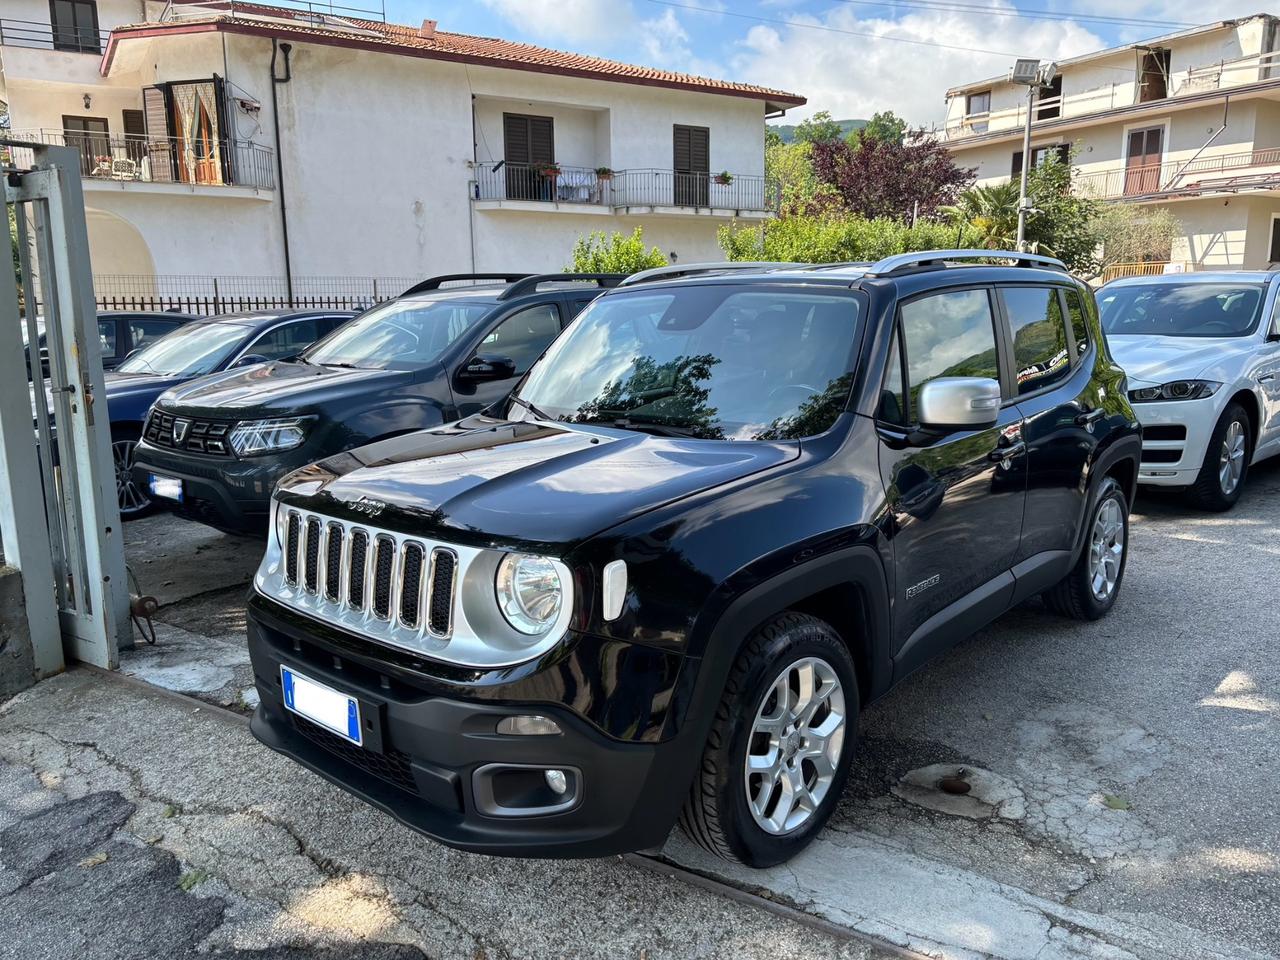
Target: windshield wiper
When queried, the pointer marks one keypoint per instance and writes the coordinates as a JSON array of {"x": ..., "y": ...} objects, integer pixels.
[
  {"x": 540, "y": 414},
  {"x": 650, "y": 426}
]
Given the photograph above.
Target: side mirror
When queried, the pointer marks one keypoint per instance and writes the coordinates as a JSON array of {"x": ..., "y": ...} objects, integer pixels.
[
  {"x": 950, "y": 404},
  {"x": 483, "y": 368},
  {"x": 249, "y": 359}
]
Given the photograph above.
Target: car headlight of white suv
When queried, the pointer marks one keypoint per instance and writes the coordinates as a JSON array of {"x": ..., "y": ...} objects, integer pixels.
[{"x": 1175, "y": 390}]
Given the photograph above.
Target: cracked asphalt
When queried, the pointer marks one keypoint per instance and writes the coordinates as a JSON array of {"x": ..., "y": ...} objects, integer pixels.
[{"x": 1123, "y": 806}]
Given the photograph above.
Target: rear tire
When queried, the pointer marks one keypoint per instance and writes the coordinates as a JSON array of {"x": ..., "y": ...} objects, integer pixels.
[
  {"x": 1226, "y": 462},
  {"x": 780, "y": 747},
  {"x": 1089, "y": 591}
]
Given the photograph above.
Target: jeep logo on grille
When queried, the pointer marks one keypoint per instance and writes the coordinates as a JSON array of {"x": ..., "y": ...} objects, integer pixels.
[
  {"x": 180, "y": 428},
  {"x": 370, "y": 508}
]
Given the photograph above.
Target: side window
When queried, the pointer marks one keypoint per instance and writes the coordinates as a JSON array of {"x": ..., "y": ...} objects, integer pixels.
[
  {"x": 1079, "y": 329},
  {"x": 893, "y": 400},
  {"x": 1040, "y": 354},
  {"x": 144, "y": 330},
  {"x": 286, "y": 340},
  {"x": 523, "y": 336},
  {"x": 948, "y": 335},
  {"x": 107, "y": 336}
]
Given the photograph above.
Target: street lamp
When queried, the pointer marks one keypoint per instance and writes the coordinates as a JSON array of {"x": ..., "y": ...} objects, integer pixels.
[{"x": 1033, "y": 76}]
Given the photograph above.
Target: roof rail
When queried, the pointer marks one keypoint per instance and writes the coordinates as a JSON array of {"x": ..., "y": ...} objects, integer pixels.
[
  {"x": 436, "y": 282},
  {"x": 676, "y": 271},
  {"x": 530, "y": 283},
  {"x": 939, "y": 258}
]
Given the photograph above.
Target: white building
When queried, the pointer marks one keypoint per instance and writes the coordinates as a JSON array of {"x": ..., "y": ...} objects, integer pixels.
[
  {"x": 1190, "y": 121},
  {"x": 233, "y": 140}
]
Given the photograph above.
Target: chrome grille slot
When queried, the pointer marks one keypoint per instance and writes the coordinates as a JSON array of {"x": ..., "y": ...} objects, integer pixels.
[
  {"x": 291, "y": 549},
  {"x": 383, "y": 567},
  {"x": 444, "y": 566},
  {"x": 333, "y": 562},
  {"x": 311, "y": 559},
  {"x": 411, "y": 584},
  {"x": 357, "y": 563}
]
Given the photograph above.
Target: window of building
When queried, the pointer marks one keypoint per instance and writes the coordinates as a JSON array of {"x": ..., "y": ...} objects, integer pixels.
[
  {"x": 1041, "y": 356},
  {"x": 75, "y": 25},
  {"x": 529, "y": 146},
  {"x": 1153, "y": 75},
  {"x": 977, "y": 107},
  {"x": 1038, "y": 154},
  {"x": 948, "y": 335},
  {"x": 1049, "y": 100}
]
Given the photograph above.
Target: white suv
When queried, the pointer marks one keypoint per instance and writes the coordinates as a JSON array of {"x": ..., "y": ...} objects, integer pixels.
[{"x": 1202, "y": 352}]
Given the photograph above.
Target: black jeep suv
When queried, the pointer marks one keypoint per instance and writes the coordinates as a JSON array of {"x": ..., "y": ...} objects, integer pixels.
[
  {"x": 724, "y": 512},
  {"x": 447, "y": 347}
]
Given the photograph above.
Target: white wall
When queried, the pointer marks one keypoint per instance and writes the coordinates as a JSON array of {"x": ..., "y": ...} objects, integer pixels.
[{"x": 576, "y": 131}]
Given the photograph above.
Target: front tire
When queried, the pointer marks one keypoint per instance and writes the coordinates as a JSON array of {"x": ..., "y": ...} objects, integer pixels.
[
  {"x": 1226, "y": 462},
  {"x": 134, "y": 500},
  {"x": 779, "y": 751},
  {"x": 1089, "y": 591}
]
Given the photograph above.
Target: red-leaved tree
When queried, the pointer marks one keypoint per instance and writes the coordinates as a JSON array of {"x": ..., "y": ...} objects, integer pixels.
[{"x": 879, "y": 178}]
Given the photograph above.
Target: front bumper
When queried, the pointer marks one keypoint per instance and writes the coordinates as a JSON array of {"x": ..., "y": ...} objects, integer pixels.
[
  {"x": 1175, "y": 436},
  {"x": 432, "y": 752},
  {"x": 224, "y": 492}
]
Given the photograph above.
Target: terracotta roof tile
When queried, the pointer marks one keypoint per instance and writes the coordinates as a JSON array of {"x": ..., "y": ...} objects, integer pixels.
[{"x": 457, "y": 46}]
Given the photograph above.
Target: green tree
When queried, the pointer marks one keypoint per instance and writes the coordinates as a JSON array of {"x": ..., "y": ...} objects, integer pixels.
[
  {"x": 818, "y": 129},
  {"x": 840, "y": 238},
  {"x": 790, "y": 166},
  {"x": 1130, "y": 233},
  {"x": 885, "y": 126},
  {"x": 616, "y": 253},
  {"x": 1062, "y": 223},
  {"x": 772, "y": 138},
  {"x": 992, "y": 212}
]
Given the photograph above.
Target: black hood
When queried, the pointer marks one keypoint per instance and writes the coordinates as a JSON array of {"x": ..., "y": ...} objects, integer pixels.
[
  {"x": 271, "y": 389},
  {"x": 483, "y": 481}
]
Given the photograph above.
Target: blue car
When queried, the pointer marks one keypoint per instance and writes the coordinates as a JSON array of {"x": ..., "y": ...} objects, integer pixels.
[{"x": 194, "y": 350}]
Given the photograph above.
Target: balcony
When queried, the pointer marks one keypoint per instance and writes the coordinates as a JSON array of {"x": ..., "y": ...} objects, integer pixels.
[
  {"x": 1226, "y": 173},
  {"x": 645, "y": 191},
  {"x": 182, "y": 162},
  {"x": 43, "y": 36}
]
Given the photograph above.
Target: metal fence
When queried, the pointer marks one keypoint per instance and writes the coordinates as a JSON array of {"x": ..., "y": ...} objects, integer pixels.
[
  {"x": 208, "y": 295},
  {"x": 44, "y": 36},
  {"x": 150, "y": 159},
  {"x": 548, "y": 182}
]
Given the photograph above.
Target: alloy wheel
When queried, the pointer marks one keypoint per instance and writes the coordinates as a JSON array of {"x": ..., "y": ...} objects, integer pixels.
[
  {"x": 1231, "y": 457},
  {"x": 133, "y": 499},
  {"x": 795, "y": 746},
  {"x": 1106, "y": 549}
]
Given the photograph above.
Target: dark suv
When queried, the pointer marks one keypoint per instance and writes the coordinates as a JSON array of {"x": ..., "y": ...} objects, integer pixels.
[
  {"x": 723, "y": 513},
  {"x": 215, "y": 447}
]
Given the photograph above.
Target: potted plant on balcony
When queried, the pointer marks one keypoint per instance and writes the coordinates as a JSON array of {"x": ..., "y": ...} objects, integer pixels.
[
  {"x": 604, "y": 173},
  {"x": 549, "y": 171},
  {"x": 724, "y": 178}
]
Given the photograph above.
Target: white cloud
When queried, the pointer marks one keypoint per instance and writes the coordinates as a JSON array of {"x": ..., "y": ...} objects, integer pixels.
[
  {"x": 853, "y": 76},
  {"x": 575, "y": 21}
]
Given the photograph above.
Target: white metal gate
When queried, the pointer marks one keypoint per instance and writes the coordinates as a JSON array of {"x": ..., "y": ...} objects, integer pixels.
[{"x": 61, "y": 481}]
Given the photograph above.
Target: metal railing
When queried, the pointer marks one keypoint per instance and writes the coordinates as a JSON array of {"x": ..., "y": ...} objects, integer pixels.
[
  {"x": 673, "y": 188},
  {"x": 44, "y": 36},
  {"x": 554, "y": 183},
  {"x": 147, "y": 159},
  {"x": 208, "y": 295},
  {"x": 545, "y": 182},
  {"x": 1201, "y": 173},
  {"x": 1145, "y": 268},
  {"x": 177, "y": 9}
]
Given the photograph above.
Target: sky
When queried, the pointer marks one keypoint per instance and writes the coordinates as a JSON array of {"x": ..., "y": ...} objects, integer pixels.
[{"x": 849, "y": 57}]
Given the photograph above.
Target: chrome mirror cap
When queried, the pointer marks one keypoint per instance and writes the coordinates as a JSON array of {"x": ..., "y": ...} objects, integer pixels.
[{"x": 959, "y": 403}]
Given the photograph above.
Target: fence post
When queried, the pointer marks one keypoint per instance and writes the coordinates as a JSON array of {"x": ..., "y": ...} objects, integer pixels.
[
  {"x": 375, "y": 290},
  {"x": 216, "y": 299}
]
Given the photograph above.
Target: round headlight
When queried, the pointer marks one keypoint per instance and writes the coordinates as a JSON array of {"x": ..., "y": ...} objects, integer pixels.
[{"x": 529, "y": 592}]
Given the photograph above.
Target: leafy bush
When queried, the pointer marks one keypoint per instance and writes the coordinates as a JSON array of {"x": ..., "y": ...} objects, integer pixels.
[
  {"x": 838, "y": 239},
  {"x": 596, "y": 253}
]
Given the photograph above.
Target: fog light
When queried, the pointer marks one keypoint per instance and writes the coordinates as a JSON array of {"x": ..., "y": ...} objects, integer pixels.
[
  {"x": 557, "y": 781},
  {"x": 528, "y": 726}
]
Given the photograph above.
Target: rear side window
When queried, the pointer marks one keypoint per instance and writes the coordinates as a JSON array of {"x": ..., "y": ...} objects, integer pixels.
[
  {"x": 1041, "y": 357},
  {"x": 107, "y": 337},
  {"x": 948, "y": 335},
  {"x": 1079, "y": 328}
]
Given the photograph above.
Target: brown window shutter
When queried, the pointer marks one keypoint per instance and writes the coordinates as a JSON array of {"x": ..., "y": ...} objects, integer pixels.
[
  {"x": 542, "y": 146},
  {"x": 682, "y": 149},
  {"x": 700, "y": 149},
  {"x": 515, "y": 135},
  {"x": 155, "y": 111}
]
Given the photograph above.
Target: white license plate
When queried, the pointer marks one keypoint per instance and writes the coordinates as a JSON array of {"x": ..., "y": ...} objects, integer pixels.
[
  {"x": 168, "y": 488},
  {"x": 321, "y": 704}
]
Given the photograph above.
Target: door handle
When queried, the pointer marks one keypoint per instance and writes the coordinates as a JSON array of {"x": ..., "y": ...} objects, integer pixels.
[
  {"x": 1089, "y": 416},
  {"x": 1006, "y": 453}
]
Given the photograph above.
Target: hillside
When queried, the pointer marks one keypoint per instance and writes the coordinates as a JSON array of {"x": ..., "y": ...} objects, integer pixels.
[{"x": 787, "y": 131}]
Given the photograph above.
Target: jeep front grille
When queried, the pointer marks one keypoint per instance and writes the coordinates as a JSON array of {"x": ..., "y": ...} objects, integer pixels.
[{"x": 387, "y": 576}]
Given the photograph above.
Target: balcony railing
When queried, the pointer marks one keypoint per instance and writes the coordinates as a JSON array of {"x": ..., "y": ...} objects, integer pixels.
[
  {"x": 624, "y": 188},
  {"x": 1254, "y": 168},
  {"x": 144, "y": 159},
  {"x": 44, "y": 36}
]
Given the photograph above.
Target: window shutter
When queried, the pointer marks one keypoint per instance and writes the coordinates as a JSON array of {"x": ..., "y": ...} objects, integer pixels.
[
  {"x": 682, "y": 149},
  {"x": 515, "y": 135},
  {"x": 700, "y": 149},
  {"x": 542, "y": 147},
  {"x": 155, "y": 111}
]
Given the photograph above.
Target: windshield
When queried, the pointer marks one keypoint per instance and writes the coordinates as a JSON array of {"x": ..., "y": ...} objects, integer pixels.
[
  {"x": 190, "y": 351},
  {"x": 403, "y": 334},
  {"x": 1181, "y": 309},
  {"x": 713, "y": 362}
]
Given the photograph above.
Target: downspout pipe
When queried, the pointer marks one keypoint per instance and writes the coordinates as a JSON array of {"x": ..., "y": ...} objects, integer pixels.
[{"x": 276, "y": 80}]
